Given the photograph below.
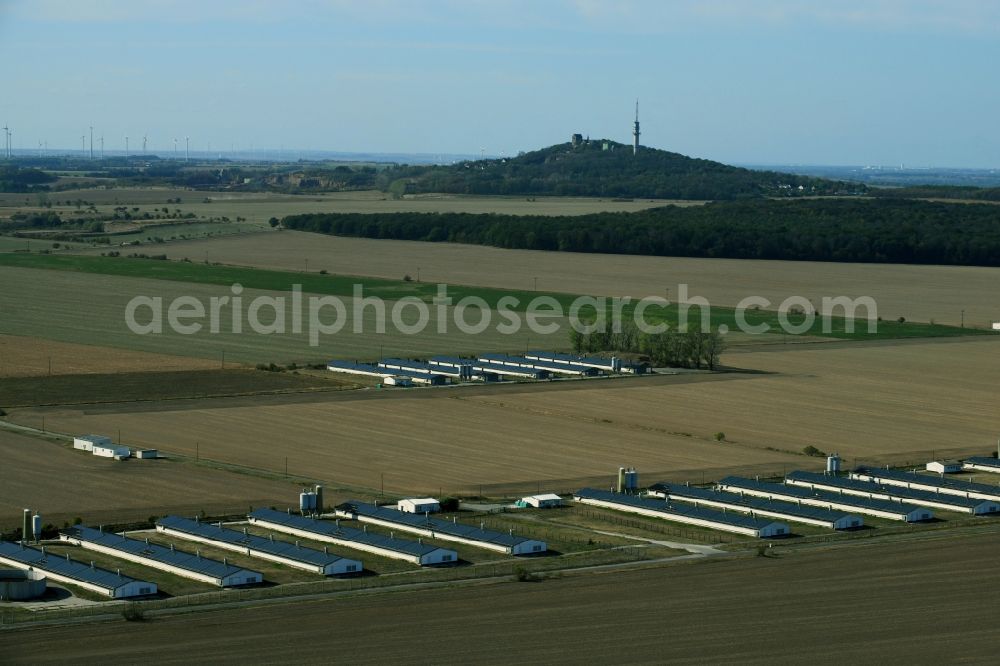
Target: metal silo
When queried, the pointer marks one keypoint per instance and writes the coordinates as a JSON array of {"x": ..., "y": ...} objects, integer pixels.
[
  {"x": 621, "y": 479},
  {"x": 319, "y": 499},
  {"x": 833, "y": 464},
  {"x": 631, "y": 479},
  {"x": 26, "y": 525},
  {"x": 36, "y": 527}
]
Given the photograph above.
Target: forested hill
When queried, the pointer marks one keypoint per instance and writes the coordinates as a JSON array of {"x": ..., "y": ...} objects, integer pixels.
[
  {"x": 853, "y": 230},
  {"x": 605, "y": 169}
]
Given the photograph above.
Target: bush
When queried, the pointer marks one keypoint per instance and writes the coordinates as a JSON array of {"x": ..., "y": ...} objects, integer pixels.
[
  {"x": 132, "y": 612},
  {"x": 522, "y": 575},
  {"x": 720, "y": 436},
  {"x": 901, "y": 320},
  {"x": 813, "y": 451},
  {"x": 78, "y": 521},
  {"x": 450, "y": 504},
  {"x": 407, "y": 278},
  {"x": 322, "y": 271}
]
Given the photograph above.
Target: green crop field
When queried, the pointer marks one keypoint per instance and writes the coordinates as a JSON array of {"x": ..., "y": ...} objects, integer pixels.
[
  {"x": 343, "y": 286},
  {"x": 88, "y": 308}
]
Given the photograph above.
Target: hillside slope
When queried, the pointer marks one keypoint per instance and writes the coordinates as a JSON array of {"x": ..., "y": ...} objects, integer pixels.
[{"x": 605, "y": 169}]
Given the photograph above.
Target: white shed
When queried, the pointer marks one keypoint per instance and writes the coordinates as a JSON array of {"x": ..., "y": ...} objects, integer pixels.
[
  {"x": 543, "y": 501},
  {"x": 944, "y": 466},
  {"x": 88, "y": 442},
  {"x": 418, "y": 505},
  {"x": 111, "y": 450}
]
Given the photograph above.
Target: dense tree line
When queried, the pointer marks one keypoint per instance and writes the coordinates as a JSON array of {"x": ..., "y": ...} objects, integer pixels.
[
  {"x": 672, "y": 348},
  {"x": 861, "y": 230},
  {"x": 589, "y": 169},
  {"x": 938, "y": 192},
  {"x": 19, "y": 179}
]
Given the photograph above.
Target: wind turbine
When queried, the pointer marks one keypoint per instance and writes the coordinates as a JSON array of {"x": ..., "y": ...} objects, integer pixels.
[
  {"x": 102, "y": 146},
  {"x": 175, "y": 148},
  {"x": 143, "y": 144},
  {"x": 83, "y": 144},
  {"x": 126, "y": 149},
  {"x": 39, "y": 148},
  {"x": 187, "y": 148},
  {"x": 91, "y": 142},
  {"x": 6, "y": 141}
]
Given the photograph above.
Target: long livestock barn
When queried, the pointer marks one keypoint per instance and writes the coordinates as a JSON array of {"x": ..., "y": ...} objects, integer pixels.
[
  {"x": 420, "y": 368},
  {"x": 930, "y": 483},
  {"x": 367, "y": 370},
  {"x": 613, "y": 364},
  {"x": 436, "y": 528},
  {"x": 982, "y": 464},
  {"x": 757, "y": 506},
  {"x": 941, "y": 501},
  {"x": 454, "y": 366},
  {"x": 501, "y": 370},
  {"x": 879, "y": 508},
  {"x": 416, "y": 552},
  {"x": 165, "y": 558},
  {"x": 736, "y": 522},
  {"x": 292, "y": 554},
  {"x": 65, "y": 570},
  {"x": 523, "y": 362}
]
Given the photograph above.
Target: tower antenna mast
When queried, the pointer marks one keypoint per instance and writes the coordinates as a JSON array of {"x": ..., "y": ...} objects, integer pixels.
[{"x": 635, "y": 130}]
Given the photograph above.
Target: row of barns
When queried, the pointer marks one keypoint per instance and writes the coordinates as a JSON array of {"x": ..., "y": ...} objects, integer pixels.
[
  {"x": 439, "y": 370},
  {"x": 222, "y": 573},
  {"x": 762, "y": 509}
]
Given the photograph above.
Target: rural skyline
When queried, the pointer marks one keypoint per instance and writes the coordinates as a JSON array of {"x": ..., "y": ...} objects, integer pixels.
[{"x": 773, "y": 82}]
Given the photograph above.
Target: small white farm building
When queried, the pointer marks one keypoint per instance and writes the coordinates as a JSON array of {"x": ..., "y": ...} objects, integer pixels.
[
  {"x": 111, "y": 451},
  {"x": 543, "y": 501},
  {"x": 944, "y": 466},
  {"x": 88, "y": 442},
  {"x": 418, "y": 505}
]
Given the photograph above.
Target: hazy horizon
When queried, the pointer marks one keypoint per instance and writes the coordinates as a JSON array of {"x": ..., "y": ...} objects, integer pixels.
[{"x": 774, "y": 82}]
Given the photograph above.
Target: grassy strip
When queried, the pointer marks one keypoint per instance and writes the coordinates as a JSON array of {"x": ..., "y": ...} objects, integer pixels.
[
  {"x": 344, "y": 286},
  {"x": 136, "y": 386}
]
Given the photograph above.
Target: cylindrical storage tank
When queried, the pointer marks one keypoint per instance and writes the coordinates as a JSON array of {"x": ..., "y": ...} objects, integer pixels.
[
  {"x": 26, "y": 525},
  {"x": 304, "y": 502},
  {"x": 833, "y": 464},
  {"x": 621, "y": 479},
  {"x": 18, "y": 585},
  {"x": 632, "y": 479},
  {"x": 319, "y": 499},
  {"x": 36, "y": 527}
]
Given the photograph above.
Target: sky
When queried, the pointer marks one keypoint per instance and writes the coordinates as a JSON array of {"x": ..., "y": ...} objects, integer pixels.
[{"x": 851, "y": 82}]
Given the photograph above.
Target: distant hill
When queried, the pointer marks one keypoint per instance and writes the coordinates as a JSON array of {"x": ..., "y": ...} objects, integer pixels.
[{"x": 606, "y": 169}]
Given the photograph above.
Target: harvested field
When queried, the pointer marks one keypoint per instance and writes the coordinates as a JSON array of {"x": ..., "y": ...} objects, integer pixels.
[
  {"x": 897, "y": 403},
  {"x": 918, "y": 293},
  {"x": 62, "y": 484},
  {"x": 880, "y": 402},
  {"x": 22, "y": 356},
  {"x": 746, "y": 611},
  {"x": 88, "y": 308},
  {"x": 141, "y": 386},
  {"x": 426, "y": 442},
  {"x": 256, "y": 208}
]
